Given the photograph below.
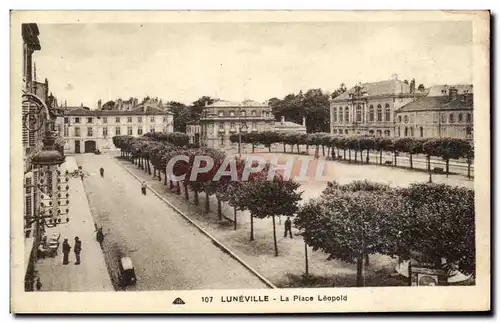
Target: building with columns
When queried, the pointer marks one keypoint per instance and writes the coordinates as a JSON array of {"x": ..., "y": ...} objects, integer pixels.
[
  {"x": 223, "y": 118},
  {"x": 88, "y": 130},
  {"x": 369, "y": 108}
]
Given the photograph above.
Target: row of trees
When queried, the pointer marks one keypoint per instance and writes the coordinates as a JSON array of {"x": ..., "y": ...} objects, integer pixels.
[
  {"x": 350, "y": 222},
  {"x": 445, "y": 148},
  {"x": 262, "y": 197}
]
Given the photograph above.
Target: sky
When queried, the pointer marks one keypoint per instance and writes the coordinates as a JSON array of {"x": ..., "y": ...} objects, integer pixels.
[{"x": 237, "y": 61}]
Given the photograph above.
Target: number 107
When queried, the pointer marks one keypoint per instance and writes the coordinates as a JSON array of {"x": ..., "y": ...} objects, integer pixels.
[{"x": 207, "y": 299}]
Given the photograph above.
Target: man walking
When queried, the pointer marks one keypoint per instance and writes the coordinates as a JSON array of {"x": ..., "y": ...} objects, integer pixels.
[
  {"x": 78, "y": 249},
  {"x": 66, "y": 249},
  {"x": 288, "y": 227}
]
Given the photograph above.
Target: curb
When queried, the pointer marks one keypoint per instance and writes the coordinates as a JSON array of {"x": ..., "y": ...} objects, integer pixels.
[{"x": 214, "y": 240}]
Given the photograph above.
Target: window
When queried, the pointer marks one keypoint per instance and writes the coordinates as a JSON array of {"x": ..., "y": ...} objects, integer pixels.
[
  {"x": 89, "y": 120},
  {"x": 387, "y": 112},
  {"x": 335, "y": 131},
  {"x": 451, "y": 118},
  {"x": 243, "y": 113},
  {"x": 421, "y": 131},
  {"x": 340, "y": 131},
  {"x": 129, "y": 131},
  {"x": 371, "y": 113},
  {"x": 139, "y": 131},
  {"x": 152, "y": 119},
  {"x": 77, "y": 131},
  {"x": 406, "y": 131},
  {"x": 341, "y": 114},
  {"x": 232, "y": 125},
  {"x": 379, "y": 112},
  {"x": 66, "y": 120},
  {"x": 129, "y": 119},
  {"x": 139, "y": 119},
  {"x": 460, "y": 117},
  {"x": 221, "y": 125},
  {"x": 358, "y": 113},
  {"x": 254, "y": 125},
  {"x": 221, "y": 113},
  {"x": 104, "y": 131},
  {"x": 254, "y": 113},
  {"x": 104, "y": 119},
  {"x": 405, "y": 119},
  {"x": 152, "y": 129},
  {"x": 89, "y": 132},
  {"x": 334, "y": 115},
  {"x": 387, "y": 133},
  {"x": 468, "y": 118},
  {"x": 399, "y": 119},
  {"x": 77, "y": 120},
  {"x": 165, "y": 119},
  {"x": 117, "y": 119},
  {"x": 117, "y": 131},
  {"x": 346, "y": 132},
  {"x": 231, "y": 113},
  {"x": 443, "y": 118},
  {"x": 468, "y": 131},
  {"x": 411, "y": 131},
  {"x": 399, "y": 132},
  {"x": 346, "y": 114},
  {"x": 66, "y": 132},
  {"x": 379, "y": 133},
  {"x": 371, "y": 132}
]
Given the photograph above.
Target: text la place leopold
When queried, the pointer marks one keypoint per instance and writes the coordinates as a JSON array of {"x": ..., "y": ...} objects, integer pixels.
[{"x": 294, "y": 298}]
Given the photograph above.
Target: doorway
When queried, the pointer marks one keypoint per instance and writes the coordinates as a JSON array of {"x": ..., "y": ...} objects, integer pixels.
[
  {"x": 90, "y": 146},
  {"x": 77, "y": 146}
]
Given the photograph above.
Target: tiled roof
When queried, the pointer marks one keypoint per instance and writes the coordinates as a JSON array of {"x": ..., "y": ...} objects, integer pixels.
[
  {"x": 90, "y": 113},
  {"x": 389, "y": 87},
  {"x": 439, "y": 103},
  {"x": 436, "y": 90},
  {"x": 225, "y": 103}
]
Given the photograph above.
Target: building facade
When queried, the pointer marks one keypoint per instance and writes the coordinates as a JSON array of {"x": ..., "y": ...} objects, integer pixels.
[
  {"x": 287, "y": 126},
  {"x": 223, "y": 118},
  {"x": 369, "y": 108},
  {"x": 88, "y": 130},
  {"x": 447, "y": 112}
]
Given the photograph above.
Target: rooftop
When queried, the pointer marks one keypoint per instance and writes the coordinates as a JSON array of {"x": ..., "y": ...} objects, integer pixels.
[
  {"x": 444, "y": 103},
  {"x": 244, "y": 103},
  {"x": 381, "y": 88},
  {"x": 440, "y": 90}
]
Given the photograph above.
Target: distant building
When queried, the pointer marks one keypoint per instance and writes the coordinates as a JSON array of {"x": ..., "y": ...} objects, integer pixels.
[
  {"x": 224, "y": 118},
  {"x": 369, "y": 108},
  {"x": 86, "y": 130},
  {"x": 446, "y": 112},
  {"x": 287, "y": 126}
]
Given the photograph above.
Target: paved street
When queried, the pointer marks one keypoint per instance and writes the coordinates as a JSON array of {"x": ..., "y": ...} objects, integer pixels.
[
  {"x": 167, "y": 251},
  {"x": 91, "y": 274}
]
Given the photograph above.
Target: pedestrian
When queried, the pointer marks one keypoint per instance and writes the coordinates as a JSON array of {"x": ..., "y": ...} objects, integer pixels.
[
  {"x": 66, "y": 248},
  {"x": 78, "y": 249},
  {"x": 288, "y": 227},
  {"x": 38, "y": 284},
  {"x": 143, "y": 187}
]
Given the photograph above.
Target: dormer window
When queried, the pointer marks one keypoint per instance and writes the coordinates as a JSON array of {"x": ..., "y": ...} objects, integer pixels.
[
  {"x": 221, "y": 113},
  {"x": 254, "y": 113},
  {"x": 231, "y": 113}
]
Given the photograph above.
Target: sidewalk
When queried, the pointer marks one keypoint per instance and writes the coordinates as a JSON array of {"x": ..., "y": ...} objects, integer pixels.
[{"x": 91, "y": 274}]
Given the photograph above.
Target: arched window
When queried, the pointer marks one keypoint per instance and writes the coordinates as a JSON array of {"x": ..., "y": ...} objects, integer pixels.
[
  {"x": 371, "y": 132},
  {"x": 340, "y": 131},
  {"x": 379, "y": 133},
  {"x": 451, "y": 118},
  {"x": 421, "y": 131},
  {"x": 443, "y": 118},
  {"x": 335, "y": 131},
  {"x": 387, "y": 112},
  {"x": 243, "y": 113},
  {"x": 460, "y": 117},
  {"x": 341, "y": 114},
  {"x": 406, "y": 131},
  {"x": 399, "y": 132},
  {"x": 469, "y": 117},
  {"x": 371, "y": 113},
  {"x": 388, "y": 133},
  {"x": 346, "y": 114},
  {"x": 468, "y": 131},
  {"x": 358, "y": 113},
  {"x": 399, "y": 119},
  {"x": 405, "y": 119},
  {"x": 231, "y": 113},
  {"x": 254, "y": 113},
  {"x": 334, "y": 114},
  {"x": 379, "y": 113},
  {"x": 411, "y": 131},
  {"x": 221, "y": 113}
]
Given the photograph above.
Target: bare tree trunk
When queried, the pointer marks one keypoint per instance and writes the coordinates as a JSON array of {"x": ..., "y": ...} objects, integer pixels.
[
  {"x": 196, "y": 198},
  {"x": 234, "y": 222},
  {"x": 447, "y": 167},
  {"x": 251, "y": 228},
  {"x": 274, "y": 237},
  {"x": 207, "y": 202},
  {"x": 360, "y": 279},
  {"x": 219, "y": 210},
  {"x": 307, "y": 260},
  {"x": 178, "y": 191},
  {"x": 186, "y": 191}
]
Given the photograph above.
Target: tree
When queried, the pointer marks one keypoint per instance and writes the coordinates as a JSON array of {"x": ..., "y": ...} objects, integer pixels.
[
  {"x": 451, "y": 148},
  {"x": 351, "y": 221},
  {"x": 431, "y": 148},
  {"x": 341, "y": 89},
  {"x": 443, "y": 225},
  {"x": 271, "y": 198},
  {"x": 470, "y": 157},
  {"x": 181, "y": 115}
]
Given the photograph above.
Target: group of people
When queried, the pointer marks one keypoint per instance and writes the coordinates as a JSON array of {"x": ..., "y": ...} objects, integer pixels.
[{"x": 66, "y": 248}]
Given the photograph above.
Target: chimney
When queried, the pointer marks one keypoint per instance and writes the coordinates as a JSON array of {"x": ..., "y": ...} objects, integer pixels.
[
  {"x": 99, "y": 103},
  {"x": 282, "y": 120},
  {"x": 453, "y": 93},
  {"x": 303, "y": 121}
]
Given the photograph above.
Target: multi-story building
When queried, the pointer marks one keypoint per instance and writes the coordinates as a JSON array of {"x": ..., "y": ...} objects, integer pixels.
[
  {"x": 369, "y": 108},
  {"x": 88, "y": 130},
  {"x": 447, "y": 111},
  {"x": 224, "y": 118}
]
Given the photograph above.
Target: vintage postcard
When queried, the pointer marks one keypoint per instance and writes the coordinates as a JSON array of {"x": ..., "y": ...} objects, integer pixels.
[{"x": 250, "y": 162}]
